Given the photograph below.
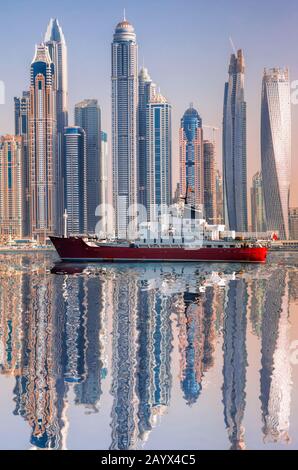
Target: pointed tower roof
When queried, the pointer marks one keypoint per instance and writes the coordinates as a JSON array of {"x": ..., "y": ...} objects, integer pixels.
[{"x": 54, "y": 31}]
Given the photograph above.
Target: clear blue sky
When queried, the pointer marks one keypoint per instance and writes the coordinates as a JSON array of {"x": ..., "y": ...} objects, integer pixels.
[{"x": 185, "y": 46}]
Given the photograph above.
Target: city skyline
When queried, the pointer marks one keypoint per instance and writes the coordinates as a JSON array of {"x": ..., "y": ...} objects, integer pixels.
[
  {"x": 162, "y": 67},
  {"x": 149, "y": 227}
]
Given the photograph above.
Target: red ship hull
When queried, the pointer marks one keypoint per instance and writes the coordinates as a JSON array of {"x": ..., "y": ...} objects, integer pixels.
[{"x": 76, "y": 249}]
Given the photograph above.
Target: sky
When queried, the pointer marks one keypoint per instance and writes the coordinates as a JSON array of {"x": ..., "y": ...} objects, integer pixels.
[{"x": 185, "y": 46}]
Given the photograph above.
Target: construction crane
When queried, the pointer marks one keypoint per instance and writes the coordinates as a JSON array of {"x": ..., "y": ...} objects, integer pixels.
[{"x": 214, "y": 129}]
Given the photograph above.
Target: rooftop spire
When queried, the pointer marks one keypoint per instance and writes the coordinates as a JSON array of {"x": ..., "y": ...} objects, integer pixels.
[
  {"x": 124, "y": 17},
  {"x": 232, "y": 45}
]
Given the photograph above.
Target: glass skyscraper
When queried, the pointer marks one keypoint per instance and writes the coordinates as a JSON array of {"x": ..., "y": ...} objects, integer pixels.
[
  {"x": 104, "y": 195},
  {"x": 55, "y": 41},
  {"x": 219, "y": 197},
  {"x": 124, "y": 126},
  {"x": 75, "y": 188},
  {"x": 88, "y": 117},
  {"x": 146, "y": 89},
  {"x": 191, "y": 158},
  {"x": 209, "y": 182},
  {"x": 276, "y": 148},
  {"x": 258, "y": 220},
  {"x": 159, "y": 155},
  {"x": 234, "y": 147}
]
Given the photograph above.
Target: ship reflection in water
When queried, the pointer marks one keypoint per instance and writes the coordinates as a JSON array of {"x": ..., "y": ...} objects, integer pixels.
[{"x": 166, "y": 356}]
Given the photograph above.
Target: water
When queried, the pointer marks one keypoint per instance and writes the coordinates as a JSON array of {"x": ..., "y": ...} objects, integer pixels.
[{"x": 147, "y": 356}]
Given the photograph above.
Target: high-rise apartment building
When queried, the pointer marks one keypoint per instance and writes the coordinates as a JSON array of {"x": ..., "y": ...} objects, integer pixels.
[
  {"x": 104, "y": 189},
  {"x": 276, "y": 148},
  {"x": 21, "y": 112},
  {"x": 11, "y": 187},
  {"x": 258, "y": 219},
  {"x": 293, "y": 223},
  {"x": 88, "y": 117},
  {"x": 55, "y": 42},
  {"x": 159, "y": 156},
  {"x": 75, "y": 183},
  {"x": 124, "y": 127},
  {"x": 42, "y": 145},
  {"x": 146, "y": 90},
  {"x": 209, "y": 182},
  {"x": 234, "y": 147},
  {"x": 192, "y": 158},
  {"x": 219, "y": 198}
]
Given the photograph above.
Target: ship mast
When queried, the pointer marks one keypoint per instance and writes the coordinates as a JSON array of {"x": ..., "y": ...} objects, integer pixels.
[{"x": 65, "y": 217}]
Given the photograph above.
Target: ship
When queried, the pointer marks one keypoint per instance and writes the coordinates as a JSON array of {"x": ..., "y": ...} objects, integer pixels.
[{"x": 82, "y": 249}]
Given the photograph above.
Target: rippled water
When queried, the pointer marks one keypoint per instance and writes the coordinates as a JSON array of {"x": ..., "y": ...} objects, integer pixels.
[{"x": 173, "y": 356}]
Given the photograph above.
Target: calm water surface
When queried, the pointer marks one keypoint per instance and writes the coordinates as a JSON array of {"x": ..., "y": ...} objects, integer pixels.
[{"x": 173, "y": 356}]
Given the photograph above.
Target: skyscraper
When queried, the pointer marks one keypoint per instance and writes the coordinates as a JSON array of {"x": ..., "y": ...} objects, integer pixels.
[
  {"x": 276, "y": 148},
  {"x": 234, "y": 147},
  {"x": 219, "y": 198},
  {"x": 42, "y": 145},
  {"x": 209, "y": 182},
  {"x": 75, "y": 190},
  {"x": 87, "y": 116},
  {"x": 146, "y": 88},
  {"x": 11, "y": 188},
  {"x": 293, "y": 223},
  {"x": 21, "y": 110},
  {"x": 159, "y": 155},
  {"x": 258, "y": 220},
  {"x": 104, "y": 196},
  {"x": 124, "y": 125},
  {"x": 55, "y": 41},
  {"x": 191, "y": 158}
]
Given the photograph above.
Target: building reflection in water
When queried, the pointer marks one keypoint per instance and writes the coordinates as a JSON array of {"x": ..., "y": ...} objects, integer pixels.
[
  {"x": 153, "y": 358},
  {"x": 198, "y": 322},
  {"x": 276, "y": 382},
  {"x": 124, "y": 411},
  {"x": 190, "y": 322},
  {"x": 54, "y": 339},
  {"x": 235, "y": 361},
  {"x": 39, "y": 390},
  {"x": 83, "y": 364}
]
